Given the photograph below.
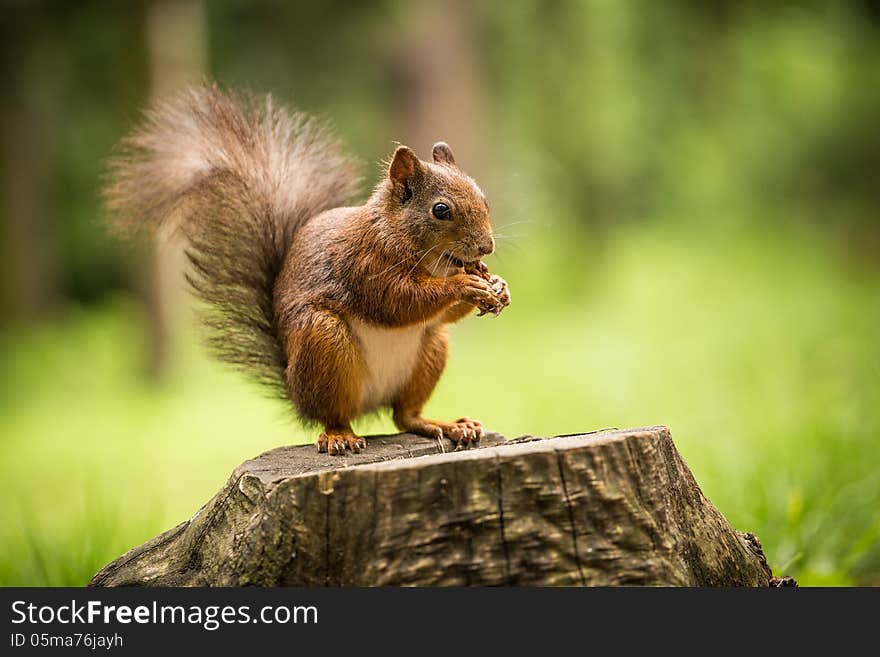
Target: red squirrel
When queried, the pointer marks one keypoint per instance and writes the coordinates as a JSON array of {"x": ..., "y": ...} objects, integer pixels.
[{"x": 340, "y": 308}]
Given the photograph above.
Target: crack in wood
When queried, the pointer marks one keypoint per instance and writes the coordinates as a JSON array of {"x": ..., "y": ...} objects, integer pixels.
[
  {"x": 500, "y": 494},
  {"x": 192, "y": 562},
  {"x": 568, "y": 504},
  {"x": 327, "y": 497}
]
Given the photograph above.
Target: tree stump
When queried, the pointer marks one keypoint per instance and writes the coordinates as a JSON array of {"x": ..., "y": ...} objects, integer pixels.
[{"x": 607, "y": 508}]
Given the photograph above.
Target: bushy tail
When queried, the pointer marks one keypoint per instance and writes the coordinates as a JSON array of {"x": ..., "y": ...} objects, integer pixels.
[{"x": 238, "y": 176}]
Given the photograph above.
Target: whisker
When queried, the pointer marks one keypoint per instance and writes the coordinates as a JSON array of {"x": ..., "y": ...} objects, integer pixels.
[
  {"x": 518, "y": 247},
  {"x": 504, "y": 259},
  {"x": 436, "y": 262},
  {"x": 402, "y": 262},
  {"x": 422, "y": 258},
  {"x": 516, "y": 223},
  {"x": 388, "y": 269}
]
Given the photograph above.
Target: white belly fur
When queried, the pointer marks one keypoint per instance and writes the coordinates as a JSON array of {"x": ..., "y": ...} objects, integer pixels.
[{"x": 390, "y": 354}]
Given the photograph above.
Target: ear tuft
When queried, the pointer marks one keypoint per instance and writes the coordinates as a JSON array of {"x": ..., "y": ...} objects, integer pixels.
[
  {"x": 404, "y": 165},
  {"x": 443, "y": 154}
]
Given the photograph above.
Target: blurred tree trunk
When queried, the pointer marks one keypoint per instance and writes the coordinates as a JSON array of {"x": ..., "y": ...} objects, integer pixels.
[
  {"x": 27, "y": 264},
  {"x": 176, "y": 43},
  {"x": 440, "y": 82}
]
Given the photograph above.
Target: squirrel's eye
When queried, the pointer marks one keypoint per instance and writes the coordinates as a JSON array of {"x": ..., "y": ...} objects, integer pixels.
[{"x": 441, "y": 211}]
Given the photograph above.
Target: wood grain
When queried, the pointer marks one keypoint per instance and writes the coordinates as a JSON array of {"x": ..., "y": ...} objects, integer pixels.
[{"x": 608, "y": 508}]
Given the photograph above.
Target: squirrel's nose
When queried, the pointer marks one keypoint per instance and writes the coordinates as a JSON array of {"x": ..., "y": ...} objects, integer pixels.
[{"x": 487, "y": 247}]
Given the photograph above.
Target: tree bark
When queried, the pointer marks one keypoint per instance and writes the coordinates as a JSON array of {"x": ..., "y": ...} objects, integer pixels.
[{"x": 608, "y": 508}]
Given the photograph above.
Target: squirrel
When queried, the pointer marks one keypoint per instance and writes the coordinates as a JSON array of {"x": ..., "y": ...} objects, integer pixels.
[{"x": 339, "y": 308}]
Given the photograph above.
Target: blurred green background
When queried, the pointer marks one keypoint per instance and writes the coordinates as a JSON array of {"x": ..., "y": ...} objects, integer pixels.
[{"x": 689, "y": 201}]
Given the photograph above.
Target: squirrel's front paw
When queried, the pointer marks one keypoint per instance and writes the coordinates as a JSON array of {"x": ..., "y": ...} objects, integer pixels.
[
  {"x": 501, "y": 290},
  {"x": 497, "y": 285},
  {"x": 478, "y": 268},
  {"x": 478, "y": 292}
]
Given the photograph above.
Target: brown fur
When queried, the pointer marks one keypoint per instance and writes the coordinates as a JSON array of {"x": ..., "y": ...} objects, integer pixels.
[{"x": 287, "y": 266}]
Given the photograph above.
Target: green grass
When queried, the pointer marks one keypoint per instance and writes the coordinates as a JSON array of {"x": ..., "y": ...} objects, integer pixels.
[{"x": 759, "y": 351}]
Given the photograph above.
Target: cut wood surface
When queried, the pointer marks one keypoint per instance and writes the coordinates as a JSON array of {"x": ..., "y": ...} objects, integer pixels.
[{"x": 606, "y": 508}]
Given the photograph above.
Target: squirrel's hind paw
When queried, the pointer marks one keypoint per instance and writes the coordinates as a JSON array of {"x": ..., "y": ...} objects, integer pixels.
[
  {"x": 462, "y": 432},
  {"x": 335, "y": 444}
]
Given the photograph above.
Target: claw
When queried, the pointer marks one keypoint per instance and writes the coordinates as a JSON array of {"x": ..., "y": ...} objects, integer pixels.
[
  {"x": 336, "y": 443},
  {"x": 463, "y": 433}
]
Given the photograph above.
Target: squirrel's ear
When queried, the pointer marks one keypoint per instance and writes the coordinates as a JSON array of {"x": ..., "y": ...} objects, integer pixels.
[
  {"x": 404, "y": 165},
  {"x": 443, "y": 154}
]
